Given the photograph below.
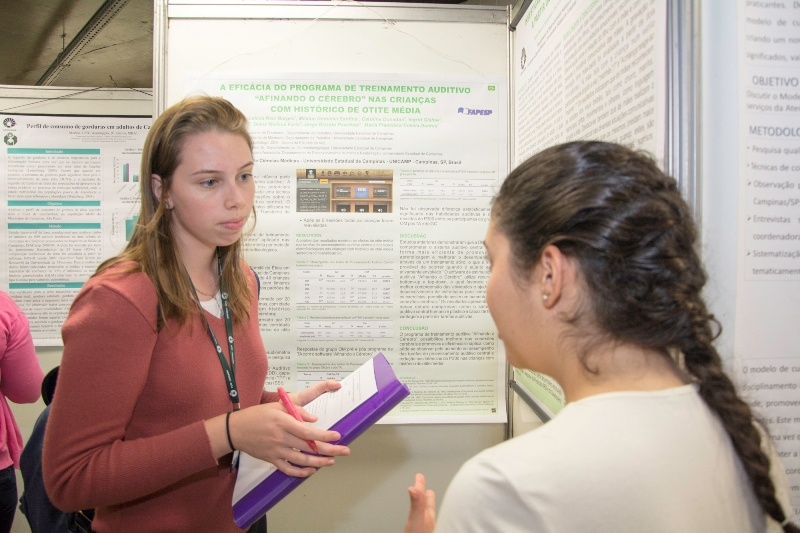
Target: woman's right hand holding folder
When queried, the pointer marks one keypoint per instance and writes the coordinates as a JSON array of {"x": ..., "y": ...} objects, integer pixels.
[{"x": 268, "y": 432}]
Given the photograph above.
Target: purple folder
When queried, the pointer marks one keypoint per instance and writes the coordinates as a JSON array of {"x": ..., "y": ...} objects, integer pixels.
[{"x": 277, "y": 485}]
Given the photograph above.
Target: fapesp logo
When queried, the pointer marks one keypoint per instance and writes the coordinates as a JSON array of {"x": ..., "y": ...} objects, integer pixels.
[{"x": 468, "y": 111}]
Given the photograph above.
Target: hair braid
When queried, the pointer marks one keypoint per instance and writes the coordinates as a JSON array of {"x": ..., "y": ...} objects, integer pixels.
[
  {"x": 719, "y": 393},
  {"x": 702, "y": 360}
]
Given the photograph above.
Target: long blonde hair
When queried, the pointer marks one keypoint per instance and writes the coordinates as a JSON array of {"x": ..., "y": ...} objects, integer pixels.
[{"x": 152, "y": 247}]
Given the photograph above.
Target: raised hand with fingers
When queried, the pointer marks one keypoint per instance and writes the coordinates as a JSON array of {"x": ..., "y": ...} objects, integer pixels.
[{"x": 422, "y": 513}]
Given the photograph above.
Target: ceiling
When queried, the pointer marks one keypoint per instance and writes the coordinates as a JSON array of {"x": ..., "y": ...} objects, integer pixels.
[
  {"x": 115, "y": 50},
  {"x": 117, "y": 54}
]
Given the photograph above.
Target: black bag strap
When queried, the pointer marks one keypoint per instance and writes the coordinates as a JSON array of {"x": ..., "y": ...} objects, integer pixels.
[
  {"x": 258, "y": 282},
  {"x": 80, "y": 521}
]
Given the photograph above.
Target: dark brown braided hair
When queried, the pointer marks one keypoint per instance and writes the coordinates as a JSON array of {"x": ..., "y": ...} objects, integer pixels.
[{"x": 626, "y": 224}]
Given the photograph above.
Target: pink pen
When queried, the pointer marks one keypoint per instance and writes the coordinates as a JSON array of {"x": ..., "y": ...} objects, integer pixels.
[{"x": 287, "y": 403}]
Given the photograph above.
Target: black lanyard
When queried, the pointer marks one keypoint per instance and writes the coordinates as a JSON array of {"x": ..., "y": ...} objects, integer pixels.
[{"x": 228, "y": 371}]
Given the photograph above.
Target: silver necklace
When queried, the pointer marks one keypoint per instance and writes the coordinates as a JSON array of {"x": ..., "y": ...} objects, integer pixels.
[
  {"x": 216, "y": 289},
  {"x": 205, "y": 293}
]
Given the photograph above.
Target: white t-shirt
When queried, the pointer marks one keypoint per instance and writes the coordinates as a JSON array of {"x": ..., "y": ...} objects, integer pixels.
[{"x": 616, "y": 462}]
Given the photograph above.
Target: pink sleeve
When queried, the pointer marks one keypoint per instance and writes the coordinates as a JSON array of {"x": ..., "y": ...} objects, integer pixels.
[{"x": 20, "y": 373}]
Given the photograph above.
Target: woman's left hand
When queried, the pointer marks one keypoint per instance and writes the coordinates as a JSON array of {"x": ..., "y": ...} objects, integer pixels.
[
  {"x": 422, "y": 513},
  {"x": 317, "y": 389}
]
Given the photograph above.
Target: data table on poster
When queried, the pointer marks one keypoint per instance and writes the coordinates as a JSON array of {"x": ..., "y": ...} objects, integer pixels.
[
  {"x": 307, "y": 378},
  {"x": 447, "y": 187},
  {"x": 344, "y": 286},
  {"x": 344, "y": 329}
]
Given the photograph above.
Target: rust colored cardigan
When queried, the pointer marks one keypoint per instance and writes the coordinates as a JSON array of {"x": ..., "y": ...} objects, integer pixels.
[{"x": 126, "y": 430}]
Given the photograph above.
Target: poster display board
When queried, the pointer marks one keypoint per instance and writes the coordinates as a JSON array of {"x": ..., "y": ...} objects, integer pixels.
[
  {"x": 69, "y": 167},
  {"x": 766, "y": 348},
  {"x": 435, "y": 167},
  {"x": 374, "y": 179}
]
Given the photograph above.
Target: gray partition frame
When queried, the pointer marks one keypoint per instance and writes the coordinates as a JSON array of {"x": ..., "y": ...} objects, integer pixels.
[
  {"x": 683, "y": 100},
  {"x": 50, "y": 100},
  {"x": 167, "y": 10}
]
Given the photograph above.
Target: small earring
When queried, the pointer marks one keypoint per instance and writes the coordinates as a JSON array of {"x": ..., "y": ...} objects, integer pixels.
[
  {"x": 168, "y": 205},
  {"x": 545, "y": 297}
]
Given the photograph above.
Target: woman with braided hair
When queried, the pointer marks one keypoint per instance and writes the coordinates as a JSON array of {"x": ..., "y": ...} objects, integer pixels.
[{"x": 595, "y": 280}]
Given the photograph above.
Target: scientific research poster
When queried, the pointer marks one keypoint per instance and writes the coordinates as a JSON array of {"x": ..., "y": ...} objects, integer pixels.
[
  {"x": 590, "y": 70},
  {"x": 767, "y": 350},
  {"x": 71, "y": 197},
  {"x": 373, "y": 198},
  {"x": 587, "y": 70}
]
